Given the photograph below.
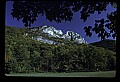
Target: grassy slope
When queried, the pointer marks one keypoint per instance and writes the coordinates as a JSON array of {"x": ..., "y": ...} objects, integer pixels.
[{"x": 73, "y": 74}]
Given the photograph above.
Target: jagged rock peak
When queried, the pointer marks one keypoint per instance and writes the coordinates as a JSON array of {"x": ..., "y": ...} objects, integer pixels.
[{"x": 53, "y": 32}]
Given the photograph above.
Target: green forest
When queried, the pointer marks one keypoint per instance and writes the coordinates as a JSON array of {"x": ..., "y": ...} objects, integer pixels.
[{"x": 25, "y": 55}]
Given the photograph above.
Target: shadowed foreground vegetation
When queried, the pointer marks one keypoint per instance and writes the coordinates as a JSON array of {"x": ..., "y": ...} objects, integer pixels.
[{"x": 73, "y": 74}]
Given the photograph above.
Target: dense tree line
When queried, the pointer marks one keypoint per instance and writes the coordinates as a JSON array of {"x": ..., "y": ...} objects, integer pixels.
[
  {"x": 24, "y": 55},
  {"x": 107, "y": 44}
]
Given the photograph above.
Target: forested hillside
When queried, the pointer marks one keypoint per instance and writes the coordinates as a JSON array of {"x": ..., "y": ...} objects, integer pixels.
[
  {"x": 107, "y": 44},
  {"x": 23, "y": 55}
]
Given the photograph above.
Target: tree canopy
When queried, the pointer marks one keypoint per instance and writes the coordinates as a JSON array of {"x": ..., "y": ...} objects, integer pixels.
[{"x": 58, "y": 11}]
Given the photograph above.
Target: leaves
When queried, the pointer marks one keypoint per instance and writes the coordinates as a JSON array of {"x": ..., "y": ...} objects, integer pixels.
[
  {"x": 64, "y": 10},
  {"x": 100, "y": 25},
  {"x": 87, "y": 30},
  {"x": 54, "y": 10}
]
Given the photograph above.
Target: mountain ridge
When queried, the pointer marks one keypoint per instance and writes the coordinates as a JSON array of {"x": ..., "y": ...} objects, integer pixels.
[
  {"x": 26, "y": 55},
  {"x": 107, "y": 44},
  {"x": 53, "y": 32}
]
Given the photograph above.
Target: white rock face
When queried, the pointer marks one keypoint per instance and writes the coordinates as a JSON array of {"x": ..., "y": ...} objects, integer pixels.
[
  {"x": 58, "y": 32},
  {"x": 44, "y": 40},
  {"x": 52, "y": 32},
  {"x": 77, "y": 38}
]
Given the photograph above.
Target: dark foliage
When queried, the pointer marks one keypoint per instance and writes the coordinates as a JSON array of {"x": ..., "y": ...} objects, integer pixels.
[
  {"x": 58, "y": 11},
  {"x": 107, "y": 44}
]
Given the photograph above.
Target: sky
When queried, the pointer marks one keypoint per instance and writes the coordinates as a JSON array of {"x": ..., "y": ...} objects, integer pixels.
[{"x": 76, "y": 25}]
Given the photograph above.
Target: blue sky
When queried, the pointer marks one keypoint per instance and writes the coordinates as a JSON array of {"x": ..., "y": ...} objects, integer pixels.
[{"x": 76, "y": 25}]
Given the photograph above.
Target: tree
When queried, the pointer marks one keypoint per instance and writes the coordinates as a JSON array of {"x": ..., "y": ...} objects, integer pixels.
[
  {"x": 72, "y": 35},
  {"x": 111, "y": 60},
  {"x": 101, "y": 24},
  {"x": 57, "y": 11}
]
